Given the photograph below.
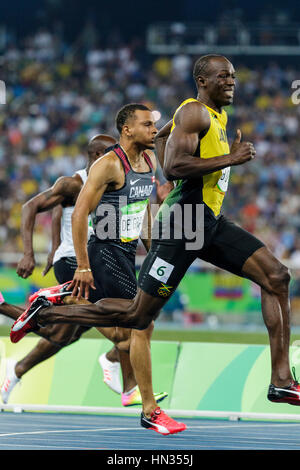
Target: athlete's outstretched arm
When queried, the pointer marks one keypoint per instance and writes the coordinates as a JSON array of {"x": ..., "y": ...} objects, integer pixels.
[
  {"x": 192, "y": 122},
  {"x": 55, "y": 232},
  {"x": 105, "y": 171},
  {"x": 161, "y": 140},
  {"x": 162, "y": 190},
  {"x": 145, "y": 235},
  {"x": 146, "y": 228},
  {"x": 62, "y": 189}
]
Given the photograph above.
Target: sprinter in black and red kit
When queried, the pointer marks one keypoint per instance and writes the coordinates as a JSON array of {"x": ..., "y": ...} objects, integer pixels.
[{"x": 116, "y": 194}]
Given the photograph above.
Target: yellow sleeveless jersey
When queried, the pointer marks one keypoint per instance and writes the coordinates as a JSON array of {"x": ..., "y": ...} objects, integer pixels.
[{"x": 213, "y": 144}]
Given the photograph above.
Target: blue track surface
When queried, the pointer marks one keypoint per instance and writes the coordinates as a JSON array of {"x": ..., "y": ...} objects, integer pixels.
[{"x": 47, "y": 431}]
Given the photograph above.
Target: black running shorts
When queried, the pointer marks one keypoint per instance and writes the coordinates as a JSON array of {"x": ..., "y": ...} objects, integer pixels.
[
  {"x": 226, "y": 245},
  {"x": 113, "y": 269},
  {"x": 64, "y": 269}
]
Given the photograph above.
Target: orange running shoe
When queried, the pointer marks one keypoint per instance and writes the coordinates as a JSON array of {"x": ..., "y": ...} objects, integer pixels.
[
  {"x": 55, "y": 294},
  {"x": 160, "y": 422},
  {"x": 27, "y": 321}
]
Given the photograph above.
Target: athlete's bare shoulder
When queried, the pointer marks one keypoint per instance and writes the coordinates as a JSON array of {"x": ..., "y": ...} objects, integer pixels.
[
  {"x": 109, "y": 160},
  {"x": 107, "y": 168},
  {"x": 67, "y": 186},
  {"x": 192, "y": 117}
]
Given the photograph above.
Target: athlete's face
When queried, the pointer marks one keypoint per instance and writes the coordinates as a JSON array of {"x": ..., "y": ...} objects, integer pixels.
[
  {"x": 220, "y": 81},
  {"x": 142, "y": 128}
]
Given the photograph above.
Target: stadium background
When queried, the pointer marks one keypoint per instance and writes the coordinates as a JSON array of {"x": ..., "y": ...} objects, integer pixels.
[{"x": 68, "y": 67}]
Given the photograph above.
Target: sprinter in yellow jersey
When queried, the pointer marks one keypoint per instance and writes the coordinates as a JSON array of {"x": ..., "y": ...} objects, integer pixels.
[
  {"x": 197, "y": 158},
  {"x": 213, "y": 186}
]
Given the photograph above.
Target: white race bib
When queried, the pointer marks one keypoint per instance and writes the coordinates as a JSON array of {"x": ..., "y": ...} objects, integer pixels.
[
  {"x": 131, "y": 221},
  {"x": 161, "y": 269},
  {"x": 224, "y": 180}
]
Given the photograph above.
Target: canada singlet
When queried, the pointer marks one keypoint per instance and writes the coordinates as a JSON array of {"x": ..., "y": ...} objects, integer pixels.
[{"x": 118, "y": 218}]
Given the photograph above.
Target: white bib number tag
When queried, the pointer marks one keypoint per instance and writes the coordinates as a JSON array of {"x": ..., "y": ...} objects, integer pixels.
[
  {"x": 161, "y": 269},
  {"x": 224, "y": 180},
  {"x": 132, "y": 220}
]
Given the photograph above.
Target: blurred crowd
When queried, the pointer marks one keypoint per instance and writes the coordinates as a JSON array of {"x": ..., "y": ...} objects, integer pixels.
[{"x": 59, "y": 95}]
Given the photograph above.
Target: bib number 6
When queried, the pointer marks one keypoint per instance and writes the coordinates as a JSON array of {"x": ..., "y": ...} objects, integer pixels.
[{"x": 161, "y": 270}]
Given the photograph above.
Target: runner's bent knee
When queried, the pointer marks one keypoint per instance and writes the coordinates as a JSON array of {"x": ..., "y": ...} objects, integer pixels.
[{"x": 279, "y": 279}]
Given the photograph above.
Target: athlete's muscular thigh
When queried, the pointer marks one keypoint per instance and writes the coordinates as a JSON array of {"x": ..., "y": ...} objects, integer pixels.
[
  {"x": 266, "y": 270},
  {"x": 136, "y": 313},
  {"x": 59, "y": 334},
  {"x": 146, "y": 310}
]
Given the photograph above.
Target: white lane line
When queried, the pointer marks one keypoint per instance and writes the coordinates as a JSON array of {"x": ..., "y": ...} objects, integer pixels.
[
  {"x": 66, "y": 430},
  {"x": 248, "y": 425},
  {"x": 112, "y": 429},
  {"x": 54, "y": 447}
]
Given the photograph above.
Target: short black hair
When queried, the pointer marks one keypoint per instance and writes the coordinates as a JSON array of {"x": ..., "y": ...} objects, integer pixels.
[
  {"x": 127, "y": 112},
  {"x": 202, "y": 64}
]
